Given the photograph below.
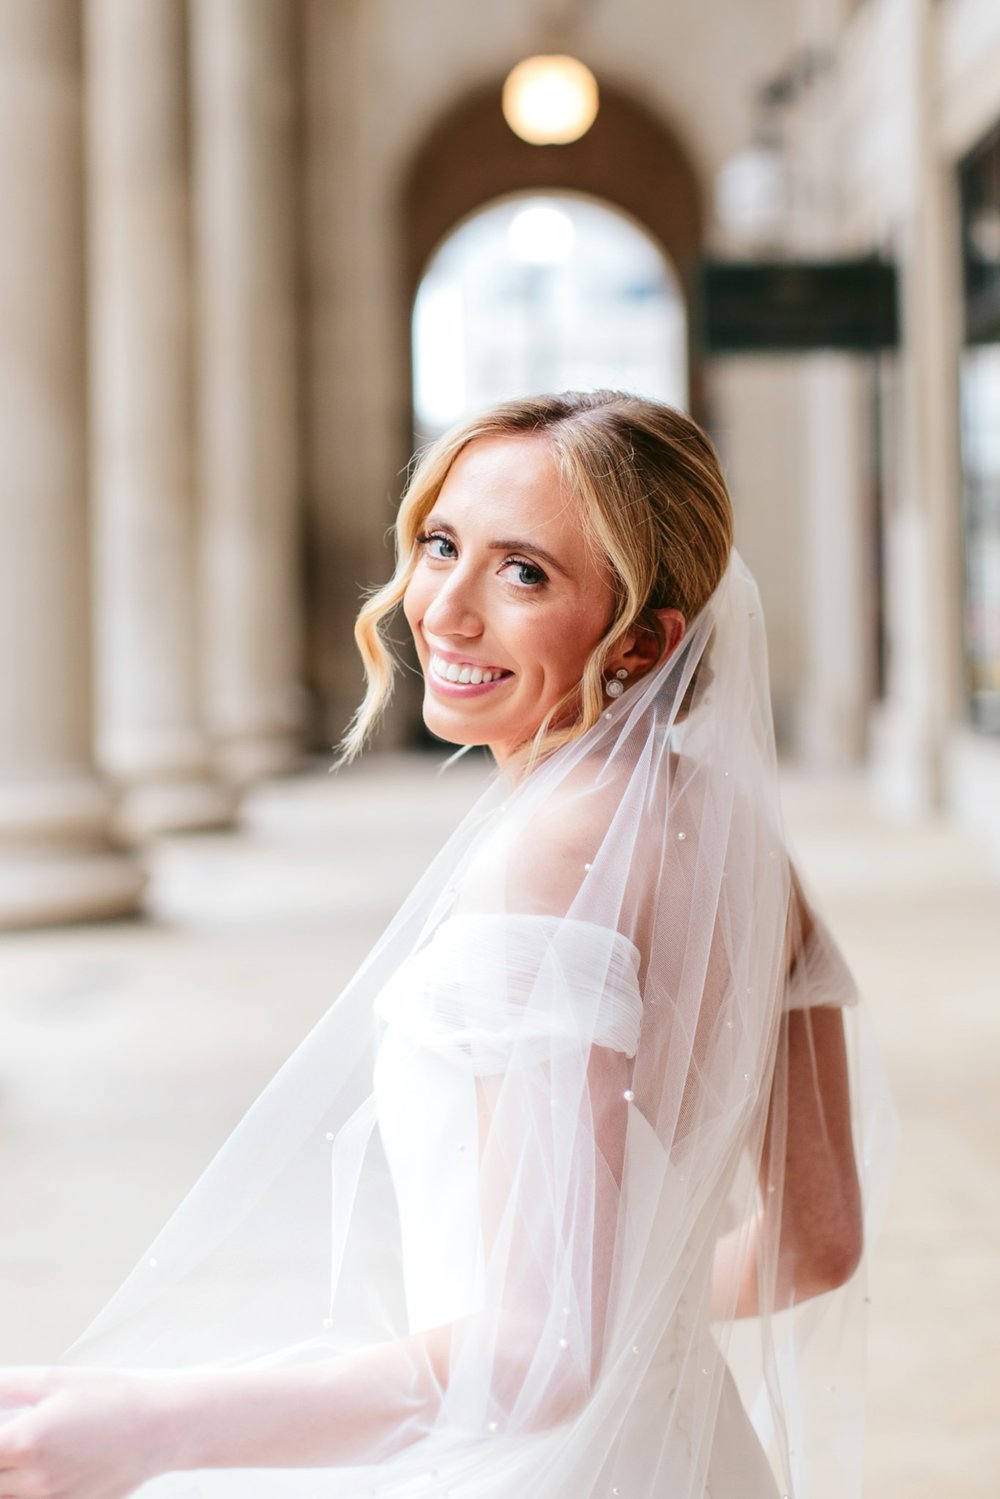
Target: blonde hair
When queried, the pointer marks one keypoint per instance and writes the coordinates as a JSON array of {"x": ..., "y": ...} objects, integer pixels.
[{"x": 653, "y": 501}]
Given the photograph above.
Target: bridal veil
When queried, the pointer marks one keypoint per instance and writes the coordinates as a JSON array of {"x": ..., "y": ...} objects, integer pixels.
[{"x": 506, "y": 1172}]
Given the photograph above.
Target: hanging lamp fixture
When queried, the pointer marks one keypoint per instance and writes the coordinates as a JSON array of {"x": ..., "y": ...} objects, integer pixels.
[{"x": 550, "y": 99}]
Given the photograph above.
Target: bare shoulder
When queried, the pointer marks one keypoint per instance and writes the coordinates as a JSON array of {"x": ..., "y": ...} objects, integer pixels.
[{"x": 554, "y": 849}]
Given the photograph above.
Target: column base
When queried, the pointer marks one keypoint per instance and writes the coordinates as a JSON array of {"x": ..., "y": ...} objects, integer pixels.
[
  {"x": 50, "y": 886},
  {"x": 181, "y": 806},
  {"x": 972, "y": 772},
  {"x": 829, "y": 734},
  {"x": 904, "y": 764},
  {"x": 57, "y": 863},
  {"x": 248, "y": 760}
]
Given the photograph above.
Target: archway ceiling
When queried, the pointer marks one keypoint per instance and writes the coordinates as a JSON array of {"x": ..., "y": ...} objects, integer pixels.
[{"x": 629, "y": 157}]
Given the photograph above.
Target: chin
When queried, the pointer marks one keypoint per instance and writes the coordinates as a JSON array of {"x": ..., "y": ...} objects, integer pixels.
[{"x": 449, "y": 732}]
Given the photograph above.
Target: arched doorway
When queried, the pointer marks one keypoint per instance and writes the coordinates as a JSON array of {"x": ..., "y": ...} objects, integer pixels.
[
  {"x": 539, "y": 292},
  {"x": 629, "y": 159}
]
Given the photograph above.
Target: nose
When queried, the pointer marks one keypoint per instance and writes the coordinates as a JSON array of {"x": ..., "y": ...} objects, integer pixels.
[{"x": 453, "y": 611}]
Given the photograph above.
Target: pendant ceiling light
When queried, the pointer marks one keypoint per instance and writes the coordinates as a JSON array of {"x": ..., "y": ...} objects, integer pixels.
[{"x": 550, "y": 100}]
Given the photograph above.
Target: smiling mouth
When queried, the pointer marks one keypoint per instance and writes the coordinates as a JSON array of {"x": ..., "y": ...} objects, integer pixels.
[{"x": 465, "y": 673}]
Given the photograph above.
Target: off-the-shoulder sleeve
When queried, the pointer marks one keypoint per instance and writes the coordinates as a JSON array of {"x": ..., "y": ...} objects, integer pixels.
[
  {"x": 485, "y": 984},
  {"x": 819, "y": 974}
]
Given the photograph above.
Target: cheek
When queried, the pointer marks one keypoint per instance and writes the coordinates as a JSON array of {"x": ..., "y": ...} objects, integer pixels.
[{"x": 566, "y": 648}]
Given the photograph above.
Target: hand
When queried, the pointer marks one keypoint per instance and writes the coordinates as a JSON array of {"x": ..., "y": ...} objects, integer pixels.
[{"x": 77, "y": 1433}]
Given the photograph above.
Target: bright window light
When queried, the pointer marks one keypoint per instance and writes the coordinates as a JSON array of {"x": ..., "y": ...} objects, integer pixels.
[
  {"x": 544, "y": 291},
  {"x": 541, "y": 235}
]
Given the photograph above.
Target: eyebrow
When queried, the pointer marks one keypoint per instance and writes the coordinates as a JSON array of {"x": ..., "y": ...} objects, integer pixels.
[{"x": 509, "y": 544}]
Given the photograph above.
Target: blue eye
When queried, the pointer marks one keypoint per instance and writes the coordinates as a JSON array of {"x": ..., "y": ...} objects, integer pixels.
[
  {"x": 529, "y": 576},
  {"x": 440, "y": 547},
  {"x": 432, "y": 539}
]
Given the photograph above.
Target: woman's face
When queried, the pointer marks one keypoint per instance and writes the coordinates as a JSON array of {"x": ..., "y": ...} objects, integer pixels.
[{"x": 506, "y": 602}]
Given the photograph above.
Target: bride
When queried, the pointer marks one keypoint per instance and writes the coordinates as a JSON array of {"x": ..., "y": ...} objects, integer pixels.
[{"x": 569, "y": 1194}]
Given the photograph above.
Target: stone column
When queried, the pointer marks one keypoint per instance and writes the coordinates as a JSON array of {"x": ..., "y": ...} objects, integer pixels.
[
  {"x": 244, "y": 56},
  {"x": 56, "y": 862},
  {"x": 759, "y": 424},
  {"x": 149, "y": 734},
  {"x": 838, "y": 610},
  {"x": 923, "y": 606},
  {"x": 359, "y": 422}
]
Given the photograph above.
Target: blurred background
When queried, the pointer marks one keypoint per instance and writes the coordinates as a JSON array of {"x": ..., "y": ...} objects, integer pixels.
[{"x": 254, "y": 252}]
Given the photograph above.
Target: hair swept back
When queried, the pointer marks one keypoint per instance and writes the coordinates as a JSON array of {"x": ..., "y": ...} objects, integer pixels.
[{"x": 654, "y": 503}]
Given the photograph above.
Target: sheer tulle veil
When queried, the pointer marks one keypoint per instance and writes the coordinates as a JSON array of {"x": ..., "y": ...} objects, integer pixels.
[{"x": 552, "y": 1102}]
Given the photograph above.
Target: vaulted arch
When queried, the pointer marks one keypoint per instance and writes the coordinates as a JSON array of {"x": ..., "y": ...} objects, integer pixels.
[{"x": 629, "y": 157}]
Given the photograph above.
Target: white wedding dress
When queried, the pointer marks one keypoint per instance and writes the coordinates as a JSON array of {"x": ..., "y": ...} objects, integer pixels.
[{"x": 451, "y": 1013}]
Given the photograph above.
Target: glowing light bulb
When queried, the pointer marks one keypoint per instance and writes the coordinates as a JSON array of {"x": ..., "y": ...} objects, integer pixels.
[{"x": 550, "y": 100}]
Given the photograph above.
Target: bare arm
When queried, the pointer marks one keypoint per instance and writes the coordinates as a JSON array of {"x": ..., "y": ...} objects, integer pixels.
[
  {"x": 99, "y": 1434},
  {"x": 807, "y": 1157}
]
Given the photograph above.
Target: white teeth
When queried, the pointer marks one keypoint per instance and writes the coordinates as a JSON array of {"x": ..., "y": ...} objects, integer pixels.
[{"x": 454, "y": 671}]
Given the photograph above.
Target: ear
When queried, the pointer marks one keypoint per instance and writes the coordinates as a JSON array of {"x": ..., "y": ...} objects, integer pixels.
[{"x": 643, "y": 647}]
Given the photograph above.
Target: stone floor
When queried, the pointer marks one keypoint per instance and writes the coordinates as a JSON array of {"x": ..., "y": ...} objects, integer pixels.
[{"x": 128, "y": 1050}]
